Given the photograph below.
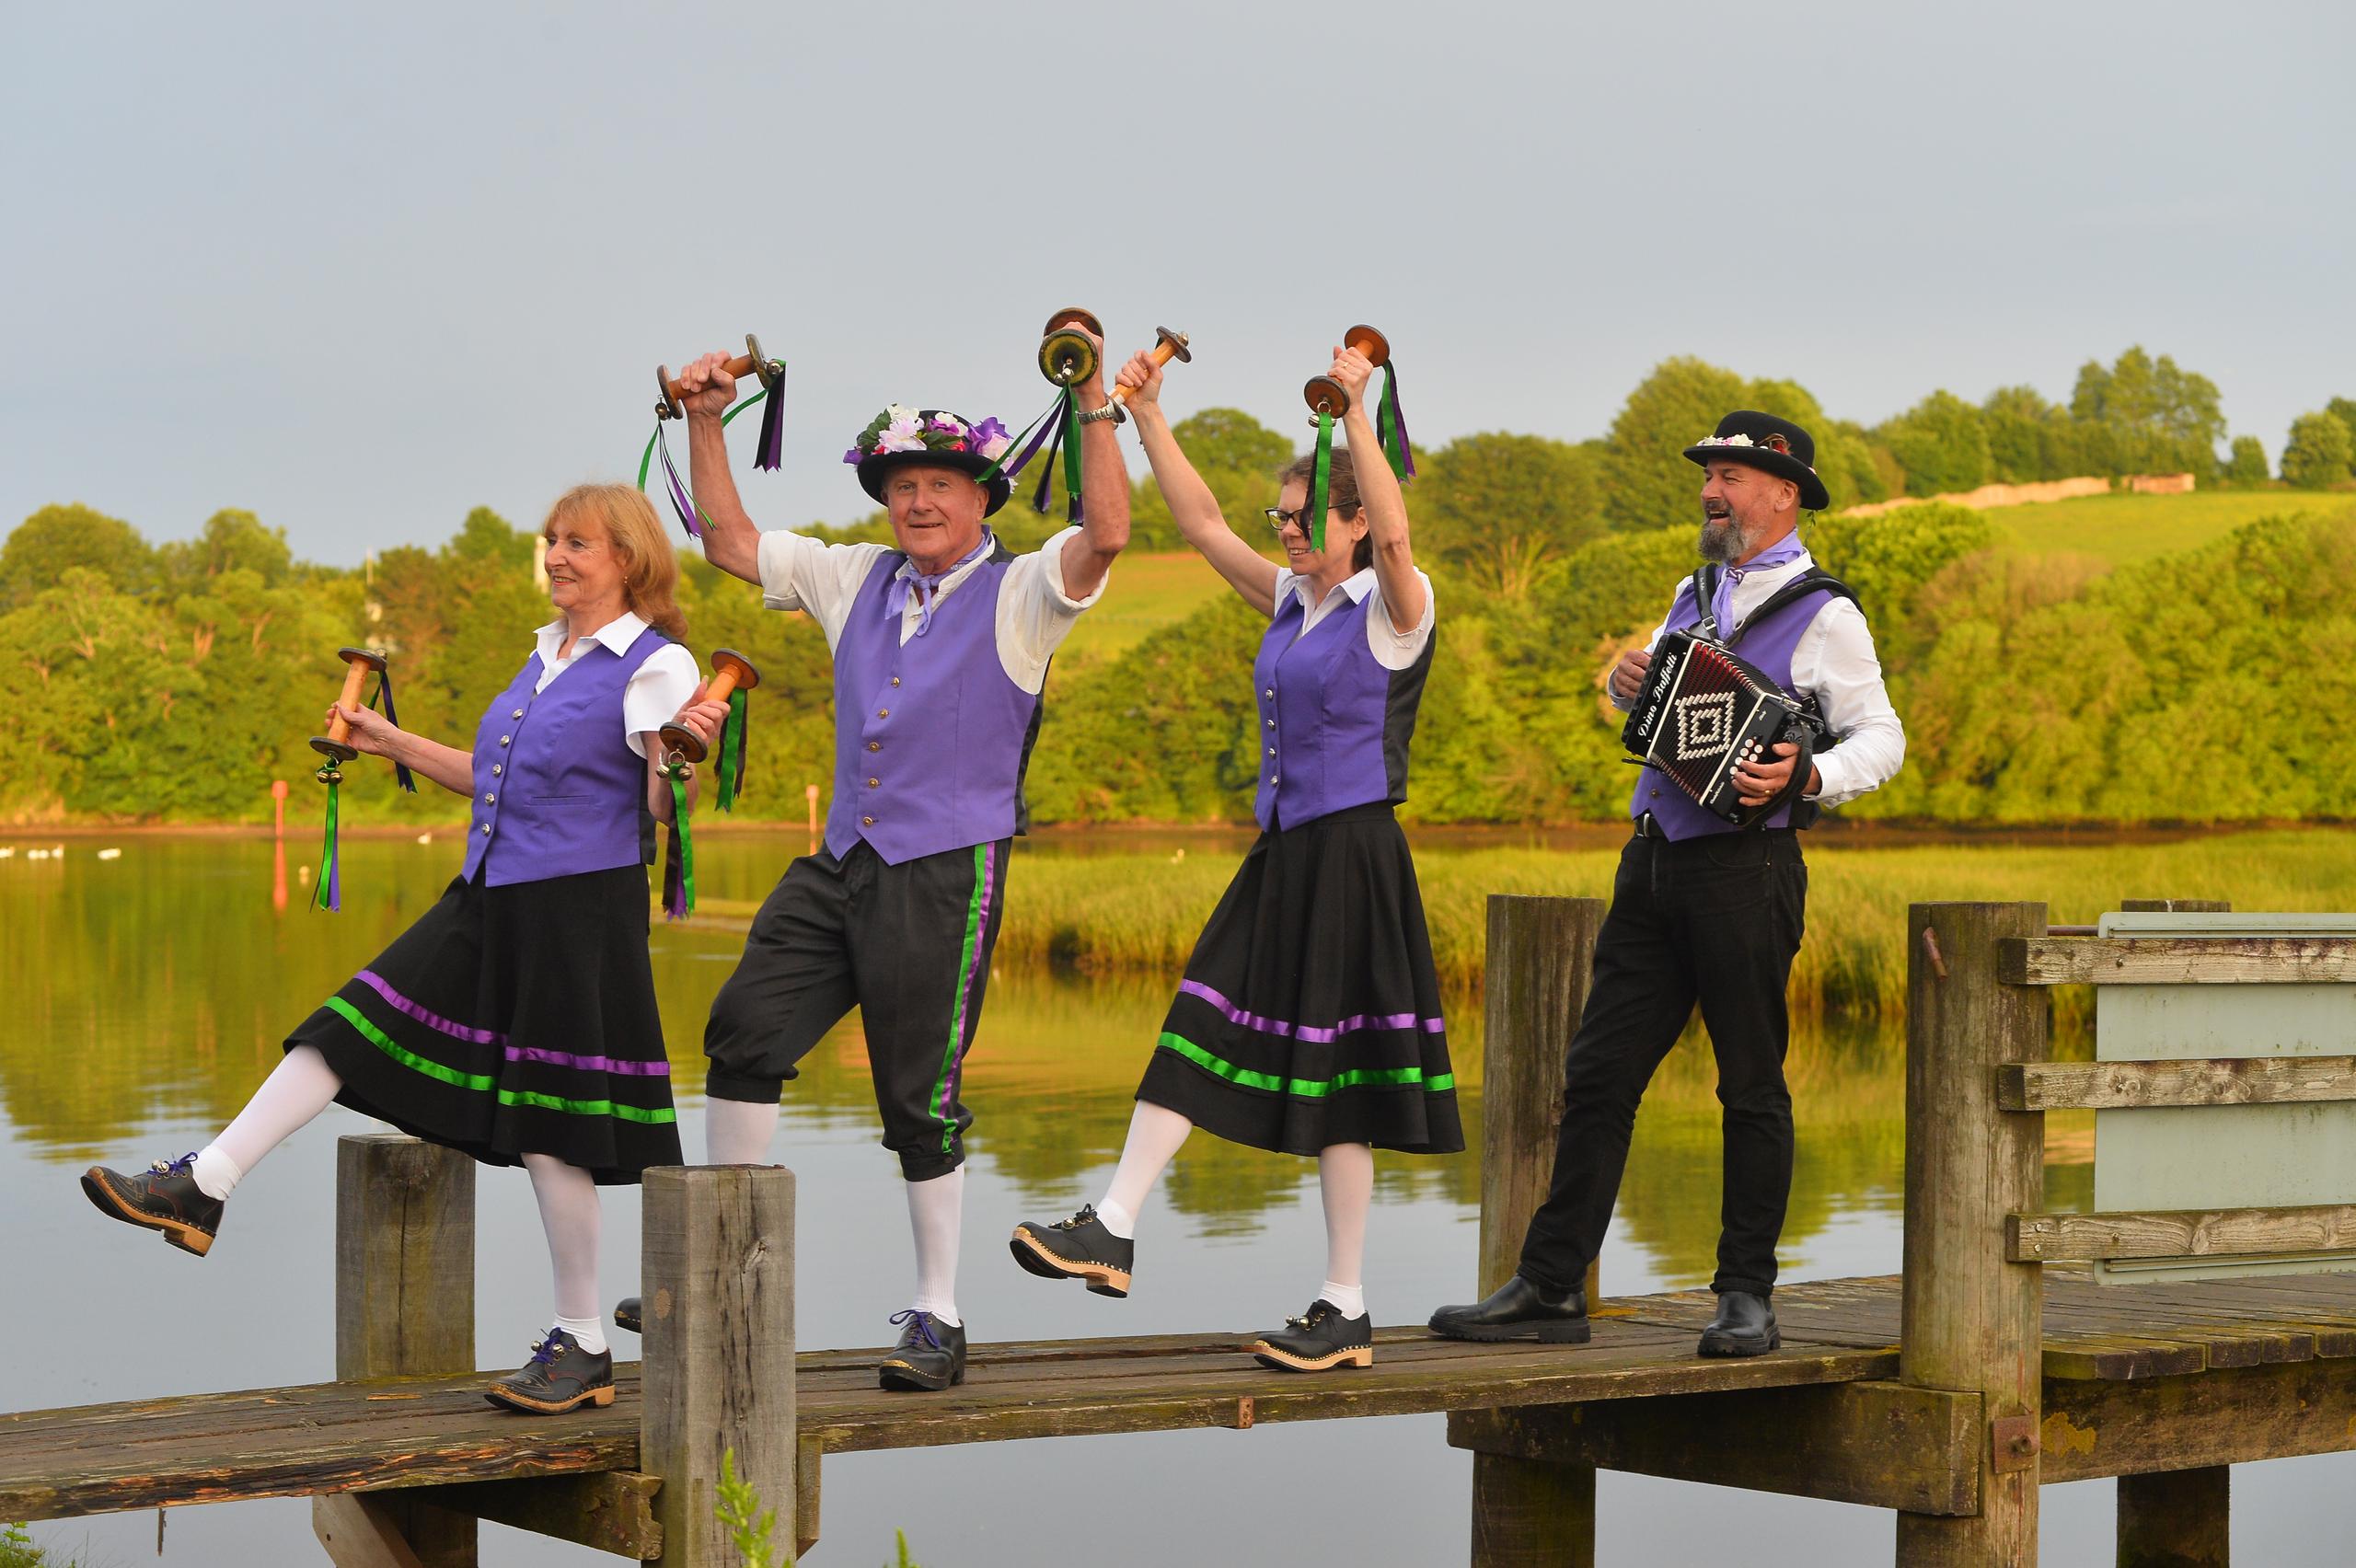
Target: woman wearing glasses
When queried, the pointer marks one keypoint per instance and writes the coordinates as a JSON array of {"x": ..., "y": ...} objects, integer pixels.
[{"x": 1309, "y": 1021}]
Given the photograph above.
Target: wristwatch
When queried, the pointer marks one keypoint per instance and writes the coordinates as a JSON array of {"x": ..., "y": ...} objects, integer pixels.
[{"x": 1109, "y": 411}]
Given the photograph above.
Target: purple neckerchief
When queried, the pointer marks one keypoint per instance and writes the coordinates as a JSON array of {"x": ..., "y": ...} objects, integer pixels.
[
  {"x": 1783, "y": 552},
  {"x": 896, "y": 598}
]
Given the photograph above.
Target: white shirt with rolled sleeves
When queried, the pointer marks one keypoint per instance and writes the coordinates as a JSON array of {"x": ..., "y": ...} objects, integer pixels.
[
  {"x": 1834, "y": 661},
  {"x": 656, "y": 692},
  {"x": 1034, "y": 614},
  {"x": 1393, "y": 649}
]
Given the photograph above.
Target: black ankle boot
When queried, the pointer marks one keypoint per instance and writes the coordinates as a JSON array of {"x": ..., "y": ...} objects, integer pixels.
[
  {"x": 931, "y": 1355},
  {"x": 1518, "y": 1309},
  {"x": 1318, "y": 1341},
  {"x": 1745, "y": 1326},
  {"x": 560, "y": 1377},
  {"x": 626, "y": 1314},
  {"x": 1078, "y": 1248},
  {"x": 163, "y": 1197}
]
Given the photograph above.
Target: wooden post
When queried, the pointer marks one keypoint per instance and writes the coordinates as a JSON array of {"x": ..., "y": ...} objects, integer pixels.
[
  {"x": 2175, "y": 1518},
  {"x": 404, "y": 1300},
  {"x": 1540, "y": 958},
  {"x": 1970, "y": 1320},
  {"x": 716, "y": 1270}
]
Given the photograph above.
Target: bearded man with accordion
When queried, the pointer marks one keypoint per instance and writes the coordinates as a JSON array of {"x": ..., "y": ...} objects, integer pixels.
[{"x": 1756, "y": 703}]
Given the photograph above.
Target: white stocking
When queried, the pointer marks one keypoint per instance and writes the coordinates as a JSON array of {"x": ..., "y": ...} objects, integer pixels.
[
  {"x": 570, "y": 1214},
  {"x": 1345, "y": 1179},
  {"x": 297, "y": 1089},
  {"x": 1155, "y": 1135},
  {"x": 738, "y": 1132},
  {"x": 936, "y": 1216}
]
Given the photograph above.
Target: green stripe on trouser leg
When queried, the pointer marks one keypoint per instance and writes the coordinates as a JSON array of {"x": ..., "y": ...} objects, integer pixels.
[{"x": 969, "y": 958}]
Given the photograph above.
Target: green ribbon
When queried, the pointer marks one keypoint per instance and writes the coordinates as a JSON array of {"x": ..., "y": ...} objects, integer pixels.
[
  {"x": 730, "y": 763},
  {"x": 1321, "y": 481},
  {"x": 683, "y": 853},
  {"x": 1071, "y": 454},
  {"x": 646, "y": 458},
  {"x": 325, "y": 886},
  {"x": 1390, "y": 434}
]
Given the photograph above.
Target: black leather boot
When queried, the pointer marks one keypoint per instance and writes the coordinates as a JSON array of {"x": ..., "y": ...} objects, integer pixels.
[
  {"x": 626, "y": 1314},
  {"x": 1078, "y": 1248},
  {"x": 929, "y": 1356},
  {"x": 1745, "y": 1326},
  {"x": 163, "y": 1197},
  {"x": 560, "y": 1377},
  {"x": 1519, "y": 1311}
]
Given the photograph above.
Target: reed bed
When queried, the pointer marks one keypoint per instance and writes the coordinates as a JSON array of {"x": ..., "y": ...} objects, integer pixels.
[{"x": 1139, "y": 913}]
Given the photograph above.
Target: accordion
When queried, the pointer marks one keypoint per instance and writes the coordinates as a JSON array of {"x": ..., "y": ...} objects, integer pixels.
[{"x": 1702, "y": 710}]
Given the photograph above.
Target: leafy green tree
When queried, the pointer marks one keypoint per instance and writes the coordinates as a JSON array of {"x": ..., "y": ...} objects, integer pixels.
[
  {"x": 56, "y": 539},
  {"x": 2157, "y": 415},
  {"x": 2027, "y": 435},
  {"x": 2248, "y": 464},
  {"x": 2344, "y": 410},
  {"x": 1942, "y": 444},
  {"x": 2319, "y": 452},
  {"x": 1647, "y": 480},
  {"x": 229, "y": 541},
  {"x": 1499, "y": 507},
  {"x": 1237, "y": 456},
  {"x": 487, "y": 541}
]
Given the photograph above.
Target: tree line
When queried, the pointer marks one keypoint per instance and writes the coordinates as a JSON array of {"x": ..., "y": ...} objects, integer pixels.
[{"x": 174, "y": 682}]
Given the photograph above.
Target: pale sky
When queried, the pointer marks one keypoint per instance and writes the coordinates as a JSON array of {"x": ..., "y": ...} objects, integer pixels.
[{"x": 358, "y": 270}]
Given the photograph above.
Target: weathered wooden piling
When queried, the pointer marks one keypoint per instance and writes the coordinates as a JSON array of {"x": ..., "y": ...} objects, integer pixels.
[
  {"x": 716, "y": 1275},
  {"x": 1541, "y": 960},
  {"x": 404, "y": 1306},
  {"x": 1971, "y": 1320}
]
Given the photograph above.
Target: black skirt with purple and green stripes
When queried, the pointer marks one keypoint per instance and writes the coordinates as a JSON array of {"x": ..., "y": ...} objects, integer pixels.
[
  {"x": 512, "y": 1020},
  {"x": 1310, "y": 1014}
]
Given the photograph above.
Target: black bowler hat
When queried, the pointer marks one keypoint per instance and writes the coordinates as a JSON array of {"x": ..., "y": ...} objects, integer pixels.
[{"x": 1762, "y": 441}]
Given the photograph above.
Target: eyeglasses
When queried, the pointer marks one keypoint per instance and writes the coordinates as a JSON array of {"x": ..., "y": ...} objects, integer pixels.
[{"x": 1279, "y": 519}]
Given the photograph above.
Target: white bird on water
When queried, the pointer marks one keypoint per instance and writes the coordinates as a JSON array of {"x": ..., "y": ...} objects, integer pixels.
[{"x": 109, "y": 854}]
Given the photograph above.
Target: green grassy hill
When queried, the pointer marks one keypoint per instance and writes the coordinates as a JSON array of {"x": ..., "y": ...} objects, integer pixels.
[
  {"x": 1149, "y": 591},
  {"x": 2125, "y": 528}
]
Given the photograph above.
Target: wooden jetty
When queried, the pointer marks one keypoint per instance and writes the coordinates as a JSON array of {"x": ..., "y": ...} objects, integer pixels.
[{"x": 1993, "y": 1365}]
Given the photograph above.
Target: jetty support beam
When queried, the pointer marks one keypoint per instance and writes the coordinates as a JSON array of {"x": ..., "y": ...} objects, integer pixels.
[
  {"x": 1541, "y": 960},
  {"x": 1972, "y": 1319}
]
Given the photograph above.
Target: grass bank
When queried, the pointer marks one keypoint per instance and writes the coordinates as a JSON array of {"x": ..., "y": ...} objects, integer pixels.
[{"x": 1139, "y": 913}]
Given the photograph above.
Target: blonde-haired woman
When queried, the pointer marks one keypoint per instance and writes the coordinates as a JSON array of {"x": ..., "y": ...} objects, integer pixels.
[{"x": 515, "y": 1021}]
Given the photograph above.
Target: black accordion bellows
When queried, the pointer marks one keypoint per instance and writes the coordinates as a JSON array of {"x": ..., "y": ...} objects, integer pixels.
[{"x": 1702, "y": 710}]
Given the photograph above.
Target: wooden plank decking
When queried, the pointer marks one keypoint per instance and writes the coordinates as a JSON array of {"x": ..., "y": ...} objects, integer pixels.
[{"x": 411, "y": 1432}]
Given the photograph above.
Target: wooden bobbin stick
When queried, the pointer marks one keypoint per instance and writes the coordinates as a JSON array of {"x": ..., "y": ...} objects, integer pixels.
[
  {"x": 1324, "y": 394},
  {"x": 336, "y": 744},
  {"x": 730, "y": 670},
  {"x": 1172, "y": 346},
  {"x": 751, "y": 363},
  {"x": 1066, "y": 356}
]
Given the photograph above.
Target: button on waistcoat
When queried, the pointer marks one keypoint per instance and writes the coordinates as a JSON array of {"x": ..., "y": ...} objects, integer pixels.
[
  {"x": 1335, "y": 724},
  {"x": 1767, "y": 644},
  {"x": 557, "y": 791},
  {"x": 933, "y": 735}
]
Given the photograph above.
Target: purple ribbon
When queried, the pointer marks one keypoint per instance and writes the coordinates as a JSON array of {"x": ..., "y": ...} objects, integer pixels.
[
  {"x": 1783, "y": 552},
  {"x": 681, "y": 503}
]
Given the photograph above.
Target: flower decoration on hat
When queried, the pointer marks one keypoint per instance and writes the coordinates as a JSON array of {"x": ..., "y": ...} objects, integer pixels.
[{"x": 902, "y": 429}]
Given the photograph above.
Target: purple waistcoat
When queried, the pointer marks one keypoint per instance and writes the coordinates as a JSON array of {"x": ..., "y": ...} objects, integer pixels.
[
  {"x": 1334, "y": 722},
  {"x": 933, "y": 735},
  {"x": 1768, "y": 643},
  {"x": 557, "y": 791}
]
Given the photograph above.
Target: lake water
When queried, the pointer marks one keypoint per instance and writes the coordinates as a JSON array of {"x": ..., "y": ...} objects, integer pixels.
[{"x": 146, "y": 995}]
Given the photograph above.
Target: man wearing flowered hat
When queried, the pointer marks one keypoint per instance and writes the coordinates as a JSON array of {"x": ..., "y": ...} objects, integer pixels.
[
  {"x": 941, "y": 644},
  {"x": 1704, "y": 912}
]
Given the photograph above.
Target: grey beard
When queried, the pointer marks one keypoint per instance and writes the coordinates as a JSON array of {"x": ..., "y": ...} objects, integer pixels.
[{"x": 1721, "y": 540}]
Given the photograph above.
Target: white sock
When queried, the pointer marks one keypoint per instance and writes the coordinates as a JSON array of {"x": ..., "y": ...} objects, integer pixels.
[
  {"x": 737, "y": 1132},
  {"x": 1346, "y": 1182},
  {"x": 569, "y": 1214},
  {"x": 589, "y": 1333},
  {"x": 297, "y": 1089},
  {"x": 1155, "y": 1135},
  {"x": 936, "y": 1215}
]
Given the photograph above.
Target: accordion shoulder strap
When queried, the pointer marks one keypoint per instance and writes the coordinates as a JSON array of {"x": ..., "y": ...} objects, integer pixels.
[{"x": 1813, "y": 581}]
